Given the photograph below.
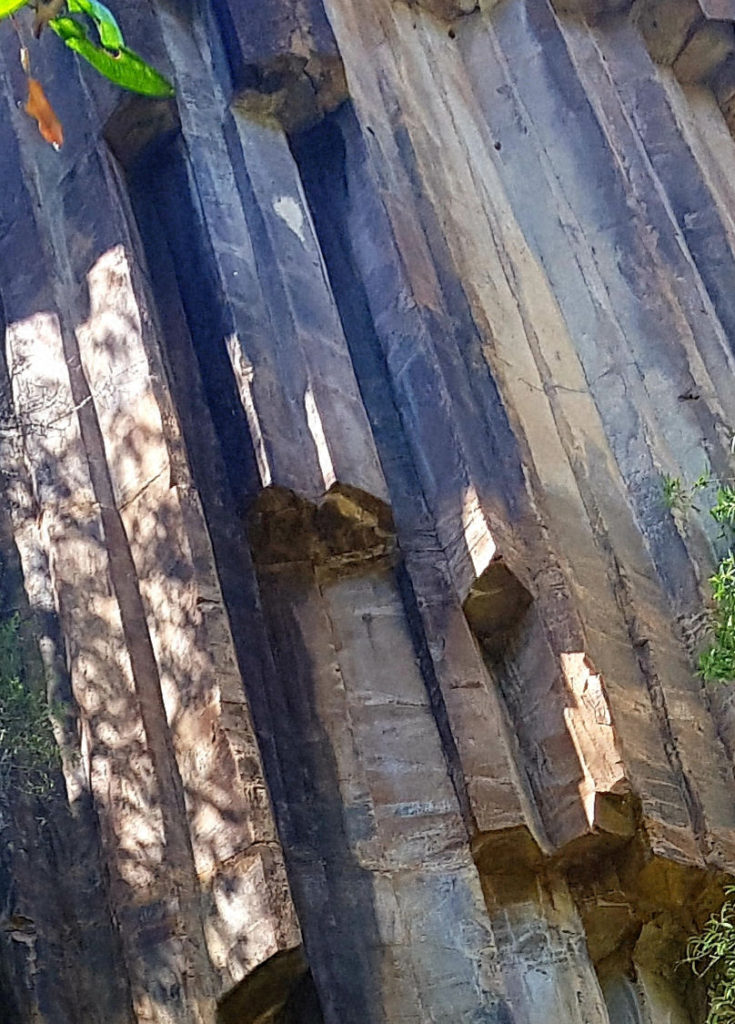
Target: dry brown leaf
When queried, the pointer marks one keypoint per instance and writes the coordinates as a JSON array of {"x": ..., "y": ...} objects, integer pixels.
[{"x": 39, "y": 107}]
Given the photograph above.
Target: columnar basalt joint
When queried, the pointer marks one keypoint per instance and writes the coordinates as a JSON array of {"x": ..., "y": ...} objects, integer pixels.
[
  {"x": 265, "y": 993},
  {"x": 293, "y": 90},
  {"x": 638, "y": 912},
  {"x": 666, "y": 25},
  {"x": 695, "y": 37},
  {"x": 705, "y": 52},
  {"x": 345, "y": 530},
  {"x": 375, "y": 839},
  {"x": 283, "y": 60},
  {"x": 259, "y": 32},
  {"x": 572, "y": 753}
]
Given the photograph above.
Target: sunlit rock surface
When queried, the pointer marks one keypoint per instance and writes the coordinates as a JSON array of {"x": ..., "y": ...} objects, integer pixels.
[{"x": 335, "y": 400}]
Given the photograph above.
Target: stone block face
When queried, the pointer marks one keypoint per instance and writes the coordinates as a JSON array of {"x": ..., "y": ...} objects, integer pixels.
[
  {"x": 705, "y": 53},
  {"x": 282, "y": 58},
  {"x": 374, "y": 815},
  {"x": 447, "y": 10},
  {"x": 667, "y": 26}
]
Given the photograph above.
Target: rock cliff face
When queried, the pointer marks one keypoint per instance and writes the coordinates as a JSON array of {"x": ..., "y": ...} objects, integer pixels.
[{"x": 335, "y": 400}]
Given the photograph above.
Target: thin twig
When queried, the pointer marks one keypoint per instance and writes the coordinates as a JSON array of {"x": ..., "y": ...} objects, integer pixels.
[{"x": 25, "y": 56}]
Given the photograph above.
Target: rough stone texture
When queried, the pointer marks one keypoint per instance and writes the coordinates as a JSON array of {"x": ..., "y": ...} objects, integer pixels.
[
  {"x": 282, "y": 58},
  {"x": 336, "y": 395}
]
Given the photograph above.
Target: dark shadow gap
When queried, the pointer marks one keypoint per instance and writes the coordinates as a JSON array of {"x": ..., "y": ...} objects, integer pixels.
[
  {"x": 279, "y": 991},
  {"x": 181, "y": 268}
]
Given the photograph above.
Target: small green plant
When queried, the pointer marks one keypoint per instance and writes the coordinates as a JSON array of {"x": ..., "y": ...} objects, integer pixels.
[
  {"x": 28, "y": 751},
  {"x": 675, "y": 494},
  {"x": 723, "y": 511},
  {"x": 711, "y": 955},
  {"x": 717, "y": 663}
]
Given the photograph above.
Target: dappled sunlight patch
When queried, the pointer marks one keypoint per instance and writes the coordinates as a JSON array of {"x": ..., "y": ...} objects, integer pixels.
[
  {"x": 319, "y": 438},
  {"x": 481, "y": 545},
  {"x": 589, "y": 720}
]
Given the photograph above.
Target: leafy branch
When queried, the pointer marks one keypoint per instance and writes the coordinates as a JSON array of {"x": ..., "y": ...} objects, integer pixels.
[
  {"x": 112, "y": 58},
  {"x": 72, "y": 21},
  {"x": 717, "y": 663},
  {"x": 711, "y": 955},
  {"x": 678, "y": 497}
]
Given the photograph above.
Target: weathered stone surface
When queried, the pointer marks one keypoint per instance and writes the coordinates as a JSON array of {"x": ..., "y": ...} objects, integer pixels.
[
  {"x": 198, "y": 888},
  {"x": 341, "y": 388},
  {"x": 446, "y": 9},
  {"x": 705, "y": 52},
  {"x": 667, "y": 24},
  {"x": 722, "y": 10},
  {"x": 282, "y": 59}
]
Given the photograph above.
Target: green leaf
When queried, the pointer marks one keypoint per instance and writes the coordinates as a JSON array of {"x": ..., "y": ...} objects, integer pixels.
[
  {"x": 68, "y": 28},
  {"x": 8, "y": 7},
  {"x": 124, "y": 68},
  {"x": 109, "y": 31}
]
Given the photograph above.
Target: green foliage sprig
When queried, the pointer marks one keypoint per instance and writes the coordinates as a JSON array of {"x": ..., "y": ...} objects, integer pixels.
[
  {"x": 28, "y": 751},
  {"x": 675, "y": 494},
  {"x": 678, "y": 497},
  {"x": 711, "y": 955},
  {"x": 110, "y": 56},
  {"x": 717, "y": 663}
]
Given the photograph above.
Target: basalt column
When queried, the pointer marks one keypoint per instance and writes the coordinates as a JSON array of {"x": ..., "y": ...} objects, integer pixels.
[
  {"x": 391, "y": 907},
  {"x": 115, "y": 550}
]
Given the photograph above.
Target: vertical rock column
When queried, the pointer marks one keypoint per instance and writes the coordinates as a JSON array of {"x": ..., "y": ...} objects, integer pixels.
[
  {"x": 393, "y": 916},
  {"x": 197, "y": 880}
]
